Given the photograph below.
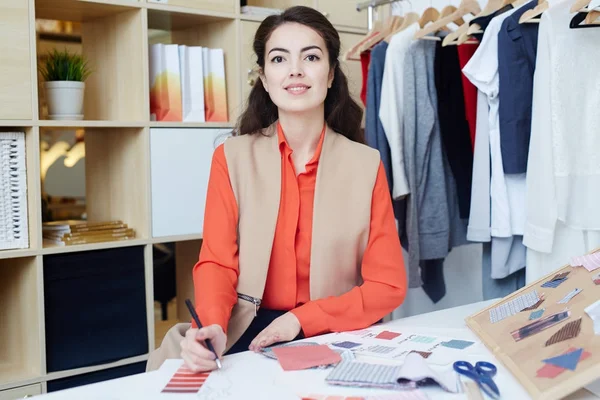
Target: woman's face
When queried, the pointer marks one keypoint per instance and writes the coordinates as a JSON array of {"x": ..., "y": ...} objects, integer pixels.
[{"x": 297, "y": 72}]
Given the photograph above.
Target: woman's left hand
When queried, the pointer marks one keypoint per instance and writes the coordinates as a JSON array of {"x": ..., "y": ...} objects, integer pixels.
[{"x": 282, "y": 329}]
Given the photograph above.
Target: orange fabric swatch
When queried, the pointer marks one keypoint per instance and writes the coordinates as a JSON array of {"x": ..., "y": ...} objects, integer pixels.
[{"x": 303, "y": 357}]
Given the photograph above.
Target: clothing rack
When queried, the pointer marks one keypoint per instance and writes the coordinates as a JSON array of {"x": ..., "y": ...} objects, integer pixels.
[{"x": 371, "y": 6}]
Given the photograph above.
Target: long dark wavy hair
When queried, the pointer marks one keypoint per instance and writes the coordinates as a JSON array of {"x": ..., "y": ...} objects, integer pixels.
[{"x": 342, "y": 113}]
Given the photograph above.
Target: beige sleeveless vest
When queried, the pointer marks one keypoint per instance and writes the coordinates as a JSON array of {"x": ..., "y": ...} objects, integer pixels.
[{"x": 346, "y": 176}]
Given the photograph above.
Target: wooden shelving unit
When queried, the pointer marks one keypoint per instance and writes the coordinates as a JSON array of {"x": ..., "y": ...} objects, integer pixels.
[{"x": 120, "y": 144}]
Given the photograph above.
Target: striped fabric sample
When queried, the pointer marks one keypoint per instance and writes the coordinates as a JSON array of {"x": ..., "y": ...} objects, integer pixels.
[
  {"x": 185, "y": 381},
  {"x": 513, "y": 306},
  {"x": 554, "y": 283},
  {"x": 361, "y": 374},
  {"x": 569, "y": 296},
  {"x": 569, "y": 331},
  {"x": 588, "y": 261},
  {"x": 424, "y": 354}
]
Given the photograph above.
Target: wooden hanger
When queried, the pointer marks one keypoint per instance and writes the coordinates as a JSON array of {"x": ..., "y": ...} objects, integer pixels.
[
  {"x": 430, "y": 14},
  {"x": 388, "y": 27},
  {"x": 408, "y": 19},
  {"x": 351, "y": 53},
  {"x": 465, "y": 7},
  {"x": 529, "y": 16},
  {"x": 449, "y": 10},
  {"x": 453, "y": 37}
]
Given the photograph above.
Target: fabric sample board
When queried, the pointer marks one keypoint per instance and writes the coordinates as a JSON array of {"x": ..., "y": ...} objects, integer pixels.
[
  {"x": 184, "y": 380},
  {"x": 513, "y": 306},
  {"x": 568, "y": 360},
  {"x": 457, "y": 344},
  {"x": 588, "y": 261},
  {"x": 536, "y": 314},
  {"x": 294, "y": 358},
  {"x": 569, "y": 296},
  {"x": 552, "y": 371},
  {"x": 569, "y": 331}
]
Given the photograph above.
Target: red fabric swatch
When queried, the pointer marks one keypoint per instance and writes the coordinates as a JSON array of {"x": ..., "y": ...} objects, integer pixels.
[
  {"x": 293, "y": 358},
  {"x": 185, "y": 381},
  {"x": 552, "y": 371},
  {"x": 387, "y": 335}
]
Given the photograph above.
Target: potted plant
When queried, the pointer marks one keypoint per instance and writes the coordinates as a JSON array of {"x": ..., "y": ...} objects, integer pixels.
[{"x": 64, "y": 74}]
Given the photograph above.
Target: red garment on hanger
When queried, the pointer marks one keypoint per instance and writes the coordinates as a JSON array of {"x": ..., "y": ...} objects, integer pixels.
[
  {"x": 465, "y": 52},
  {"x": 365, "y": 59}
]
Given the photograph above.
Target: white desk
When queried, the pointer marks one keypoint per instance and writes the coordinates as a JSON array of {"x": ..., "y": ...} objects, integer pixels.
[{"x": 249, "y": 376}]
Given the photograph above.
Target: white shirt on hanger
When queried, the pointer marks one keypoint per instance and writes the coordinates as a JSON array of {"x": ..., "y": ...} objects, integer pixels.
[
  {"x": 390, "y": 110},
  {"x": 563, "y": 169},
  {"x": 507, "y": 192}
]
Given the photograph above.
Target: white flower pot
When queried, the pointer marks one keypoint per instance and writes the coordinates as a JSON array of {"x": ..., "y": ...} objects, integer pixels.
[{"x": 65, "y": 99}]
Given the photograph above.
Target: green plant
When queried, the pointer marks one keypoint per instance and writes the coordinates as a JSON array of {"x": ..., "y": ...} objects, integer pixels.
[{"x": 65, "y": 66}]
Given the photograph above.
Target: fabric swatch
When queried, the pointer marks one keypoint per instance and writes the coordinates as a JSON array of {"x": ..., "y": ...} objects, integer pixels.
[
  {"x": 457, "y": 344},
  {"x": 346, "y": 344},
  {"x": 588, "y": 261},
  {"x": 567, "y": 361},
  {"x": 569, "y": 331},
  {"x": 294, "y": 358},
  {"x": 562, "y": 275},
  {"x": 412, "y": 373},
  {"x": 380, "y": 349},
  {"x": 552, "y": 371},
  {"x": 536, "y": 305},
  {"x": 539, "y": 325},
  {"x": 513, "y": 306},
  {"x": 387, "y": 335},
  {"x": 554, "y": 284},
  {"x": 569, "y": 296},
  {"x": 424, "y": 354},
  {"x": 423, "y": 339},
  {"x": 596, "y": 279},
  {"x": 536, "y": 314},
  {"x": 184, "y": 380}
]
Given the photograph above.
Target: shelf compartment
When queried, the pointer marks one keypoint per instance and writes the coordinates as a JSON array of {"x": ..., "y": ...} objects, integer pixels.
[
  {"x": 215, "y": 34},
  {"x": 82, "y": 10},
  {"x": 113, "y": 45},
  {"x": 30, "y": 192},
  {"x": 91, "y": 124},
  {"x": 168, "y": 17},
  {"x": 104, "y": 182},
  {"x": 20, "y": 347},
  {"x": 95, "y": 305},
  {"x": 15, "y": 68},
  {"x": 180, "y": 161},
  {"x": 224, "y": 6}
]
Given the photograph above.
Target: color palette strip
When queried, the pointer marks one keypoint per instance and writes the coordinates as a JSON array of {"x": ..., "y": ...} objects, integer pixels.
[{"x": 185, "y": 381}]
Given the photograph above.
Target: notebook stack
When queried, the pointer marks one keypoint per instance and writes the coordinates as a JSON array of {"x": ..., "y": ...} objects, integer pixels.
[{"x": 74, "y": 232}]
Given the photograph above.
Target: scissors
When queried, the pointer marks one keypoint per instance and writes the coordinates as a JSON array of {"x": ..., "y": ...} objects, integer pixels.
[{"x": 482, "y": 373}]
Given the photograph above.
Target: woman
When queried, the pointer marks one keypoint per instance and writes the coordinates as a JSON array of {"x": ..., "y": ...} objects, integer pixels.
[{"x": 299, "y": 234}]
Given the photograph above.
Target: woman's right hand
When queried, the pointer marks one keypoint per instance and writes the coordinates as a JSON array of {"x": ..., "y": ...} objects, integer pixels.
[{"x": 194, "y": 352}]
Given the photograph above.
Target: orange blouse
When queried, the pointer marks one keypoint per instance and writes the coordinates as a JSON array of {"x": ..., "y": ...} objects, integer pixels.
[{"x": 287, "y": 287}]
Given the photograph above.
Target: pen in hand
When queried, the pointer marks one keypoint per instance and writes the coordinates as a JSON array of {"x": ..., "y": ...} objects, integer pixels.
[{"x": 190, "y": 307}]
